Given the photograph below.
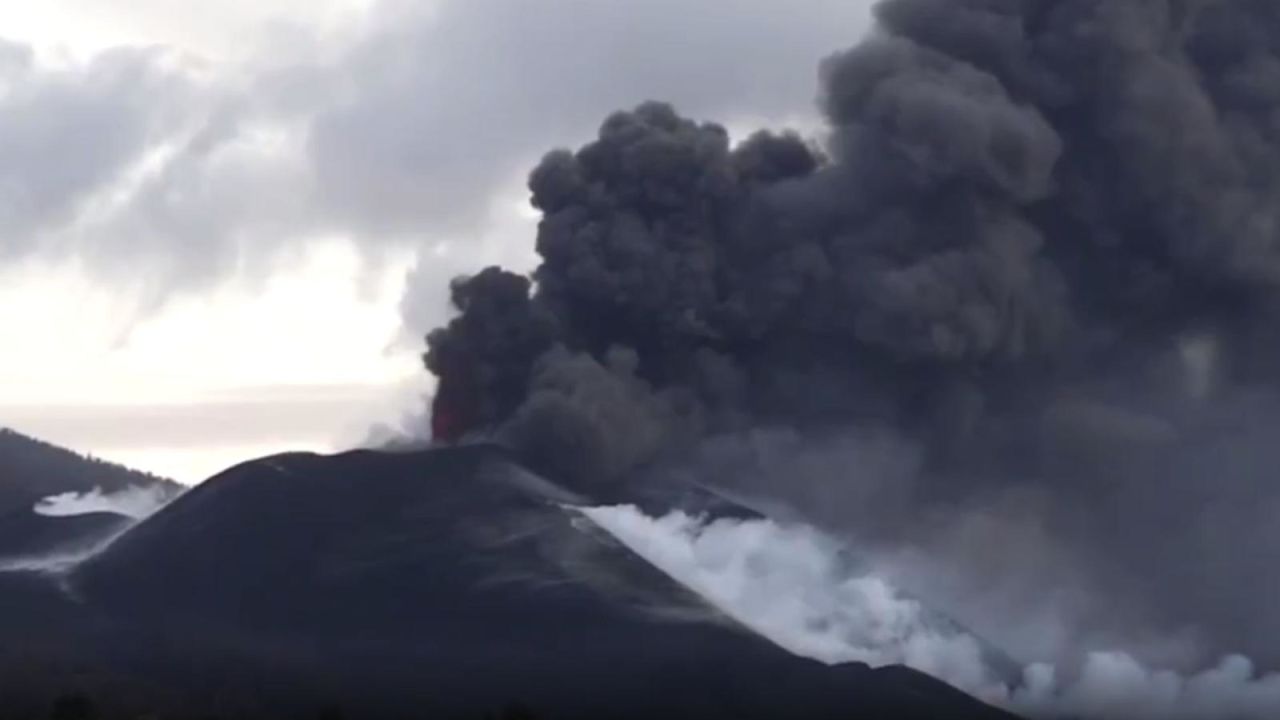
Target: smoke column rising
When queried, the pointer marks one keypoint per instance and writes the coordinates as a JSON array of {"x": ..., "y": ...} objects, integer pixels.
[{"x": 1036, "y": 254}]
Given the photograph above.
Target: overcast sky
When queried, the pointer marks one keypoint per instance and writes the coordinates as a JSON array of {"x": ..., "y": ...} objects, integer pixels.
[{"x": 224, "y": 226}]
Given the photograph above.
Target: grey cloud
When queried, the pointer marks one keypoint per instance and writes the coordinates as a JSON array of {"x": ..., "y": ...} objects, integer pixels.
[
  {"x": 402, "y": 133},
  {"x": 68, "y": 133},
  {"x": 439, "y": 107},
  {"x": 15, "y": 58}
]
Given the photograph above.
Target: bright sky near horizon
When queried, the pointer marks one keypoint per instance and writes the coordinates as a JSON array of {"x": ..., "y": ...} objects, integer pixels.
[{"x": 224, "y": 227}]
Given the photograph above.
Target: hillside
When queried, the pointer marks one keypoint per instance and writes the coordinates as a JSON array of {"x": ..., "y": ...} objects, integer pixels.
[
  {"x": 445, "y": 583},
  {"x": 31, "y": 469}
]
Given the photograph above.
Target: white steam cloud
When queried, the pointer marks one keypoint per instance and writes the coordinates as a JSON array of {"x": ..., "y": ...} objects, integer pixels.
[
  {"x": 135, "y": 501},
  {"x": 795, "y": 586},
  {"x": 799, "y": 588}
]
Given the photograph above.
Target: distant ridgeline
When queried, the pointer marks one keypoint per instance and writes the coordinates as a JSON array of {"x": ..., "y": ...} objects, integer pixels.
[{"x": 31, "y": 469}]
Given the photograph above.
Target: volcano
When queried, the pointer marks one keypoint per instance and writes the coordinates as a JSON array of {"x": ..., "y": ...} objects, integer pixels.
[{"x": 443, "y": 583}]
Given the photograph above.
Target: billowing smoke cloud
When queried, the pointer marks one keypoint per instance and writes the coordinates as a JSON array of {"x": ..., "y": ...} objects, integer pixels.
[
  {"x": 135, "y": 501},
  {"x": 802, "y": 590},
  {"x": 1033, "y": 263}
]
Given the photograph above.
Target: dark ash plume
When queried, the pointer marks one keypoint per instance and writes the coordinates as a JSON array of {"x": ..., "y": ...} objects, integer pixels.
[{"x": 1040, "y": 243}]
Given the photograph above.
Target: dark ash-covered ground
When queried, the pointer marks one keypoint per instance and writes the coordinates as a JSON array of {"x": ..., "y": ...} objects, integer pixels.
[{"x": 438, "y": 583}]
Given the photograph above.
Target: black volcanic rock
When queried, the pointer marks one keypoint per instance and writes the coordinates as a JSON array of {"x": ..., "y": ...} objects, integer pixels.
[
  {"x": 26, "y": 534},
  {"x": 436, "y": 583}
]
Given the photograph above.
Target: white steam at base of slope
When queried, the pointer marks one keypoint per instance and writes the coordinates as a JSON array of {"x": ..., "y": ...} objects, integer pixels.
[
  {"x": 795, "y": 586},
  {"x": 60, "y": 562},
  {"x": 135, "y": 501}
]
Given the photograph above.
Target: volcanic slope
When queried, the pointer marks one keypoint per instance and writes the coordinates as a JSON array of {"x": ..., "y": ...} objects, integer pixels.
[
  {"x": 448, "y": 581},
  {"x": 31, "y": 470}
]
